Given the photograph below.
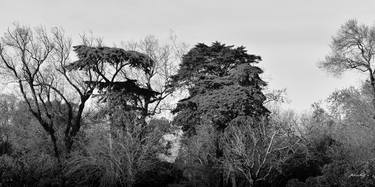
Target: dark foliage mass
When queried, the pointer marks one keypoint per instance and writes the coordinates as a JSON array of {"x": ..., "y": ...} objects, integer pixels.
[
  {"x": 228, "y": 131},
  {"x": 223, "y": 86},
  {"x": 5, "y": 148},
  {"x": 96, "y": 58},
  {"x": 90, "y": 56}
]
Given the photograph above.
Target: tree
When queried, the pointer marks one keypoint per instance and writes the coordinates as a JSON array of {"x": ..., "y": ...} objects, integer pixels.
[
  {"x": 352, "y": 109},
  {"x": 7, "y": 109},
  {"x": 117, "y": 156},
  {"x": 353, "y": 48},
  {"x": 255, "y": 153},
  {"x": 353, "y": 106},
  {"x": 166, "y": 57},
  {"x": 127, "y": 89},
  {"x": 36, "y": 61},
  {"x": 223, "y": 86},
  {"x": 196, "y": 157},
  {"x": 224, "y": 89},
  {"x": 116, "y": 87}
]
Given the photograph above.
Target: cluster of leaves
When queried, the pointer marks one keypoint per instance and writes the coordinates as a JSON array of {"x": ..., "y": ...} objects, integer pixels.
[{"x": 89, "y": 57}]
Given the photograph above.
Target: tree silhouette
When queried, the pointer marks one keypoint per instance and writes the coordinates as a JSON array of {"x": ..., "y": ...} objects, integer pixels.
[{"x": 353, "y": 48}]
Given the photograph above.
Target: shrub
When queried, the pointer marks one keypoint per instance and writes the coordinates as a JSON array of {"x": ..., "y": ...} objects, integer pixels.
[{"x": 5, "y": 148}]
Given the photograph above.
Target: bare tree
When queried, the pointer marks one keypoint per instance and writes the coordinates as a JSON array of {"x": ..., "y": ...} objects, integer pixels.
[
  {"x": 36, "y": 61},
  {"x": 134, "y": 149},
  {"x": 253, "y": 151},
  {"x": 353, "y": 48},
  {"x": 197, "y": 155},
  {"x": 166, "y": 57}
]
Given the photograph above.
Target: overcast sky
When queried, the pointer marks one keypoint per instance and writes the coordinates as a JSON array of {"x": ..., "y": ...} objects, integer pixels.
[{"x": 290, "y": 35}]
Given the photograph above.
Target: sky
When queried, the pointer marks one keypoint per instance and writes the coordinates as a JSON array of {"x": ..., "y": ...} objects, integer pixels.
[{"x": 291, "y": 36}]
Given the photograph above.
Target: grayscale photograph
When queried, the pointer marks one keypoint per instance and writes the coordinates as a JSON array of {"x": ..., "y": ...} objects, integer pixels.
[{"x": 187, "y": 93}]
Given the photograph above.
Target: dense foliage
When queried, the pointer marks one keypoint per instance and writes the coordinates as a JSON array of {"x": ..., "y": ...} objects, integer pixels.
[{"x": 224, "y": 86}]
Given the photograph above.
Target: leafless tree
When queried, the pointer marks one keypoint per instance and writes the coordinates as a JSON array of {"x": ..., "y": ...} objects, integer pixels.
[
  {"x": 166, "y": 57},
  {"x": 253, "y": 151},
  {"x": 353, "y": 48},
  {"x": 134, "y": 149},
  {"x": 197, "y": 155},
  {"x": 36, "y": 61}
]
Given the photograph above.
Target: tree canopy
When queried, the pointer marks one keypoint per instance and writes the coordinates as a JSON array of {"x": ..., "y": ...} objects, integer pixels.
[
  {"x": 97, "y": 59},
  {"x": 223, "y": 84}
]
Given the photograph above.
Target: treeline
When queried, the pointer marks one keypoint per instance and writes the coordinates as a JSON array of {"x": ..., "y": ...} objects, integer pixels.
[{"x": 94, "y": 119}]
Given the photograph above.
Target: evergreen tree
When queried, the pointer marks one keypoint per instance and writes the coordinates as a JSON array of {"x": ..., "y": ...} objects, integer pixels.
[
  {"x": 225, "y": 90},
  {"x": 224, "y": 87}
]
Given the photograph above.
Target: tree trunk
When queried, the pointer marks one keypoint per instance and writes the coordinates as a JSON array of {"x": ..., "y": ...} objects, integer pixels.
[
  {"x": 55, "y": 148},
  {"x": 219, "y": 155},
  {"x": 372, "y": 82},
  {"x": 251, "y": 183},
  {"x": 129, "y": 184},
  {"x": 76, "y": 125},
  {"x": 233, "y": 180},
  {"x": 68, "y": 144}
]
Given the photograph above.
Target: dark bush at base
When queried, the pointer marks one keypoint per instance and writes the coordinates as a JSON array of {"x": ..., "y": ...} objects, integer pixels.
[
  {"x": 5, "y": 148},
  {"x": 163, "y": 175}
]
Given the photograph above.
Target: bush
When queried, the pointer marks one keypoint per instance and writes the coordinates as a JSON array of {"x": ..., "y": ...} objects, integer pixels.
[
  {"x": 33, "y": 169},
  {"x": 5, "y": 148},
  {"x": 163, "y": 174},
  {"x": 115, "y": 156}
]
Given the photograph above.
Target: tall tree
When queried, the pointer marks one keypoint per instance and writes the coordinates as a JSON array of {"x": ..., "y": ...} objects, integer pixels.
[
  {"x": 223, "y": 86},
  {"x": 138, "y": 73},
  {"x": 36, "y": 61},
  {"x": 353, "y": 48},
  {"x": 132, "y": 86},
  {"x": 115, "y": 86},
  {"x": 224, "y": 89}
]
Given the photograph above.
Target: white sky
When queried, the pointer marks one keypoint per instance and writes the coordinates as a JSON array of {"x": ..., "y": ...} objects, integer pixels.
[{"x": 290, "y": 35}]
